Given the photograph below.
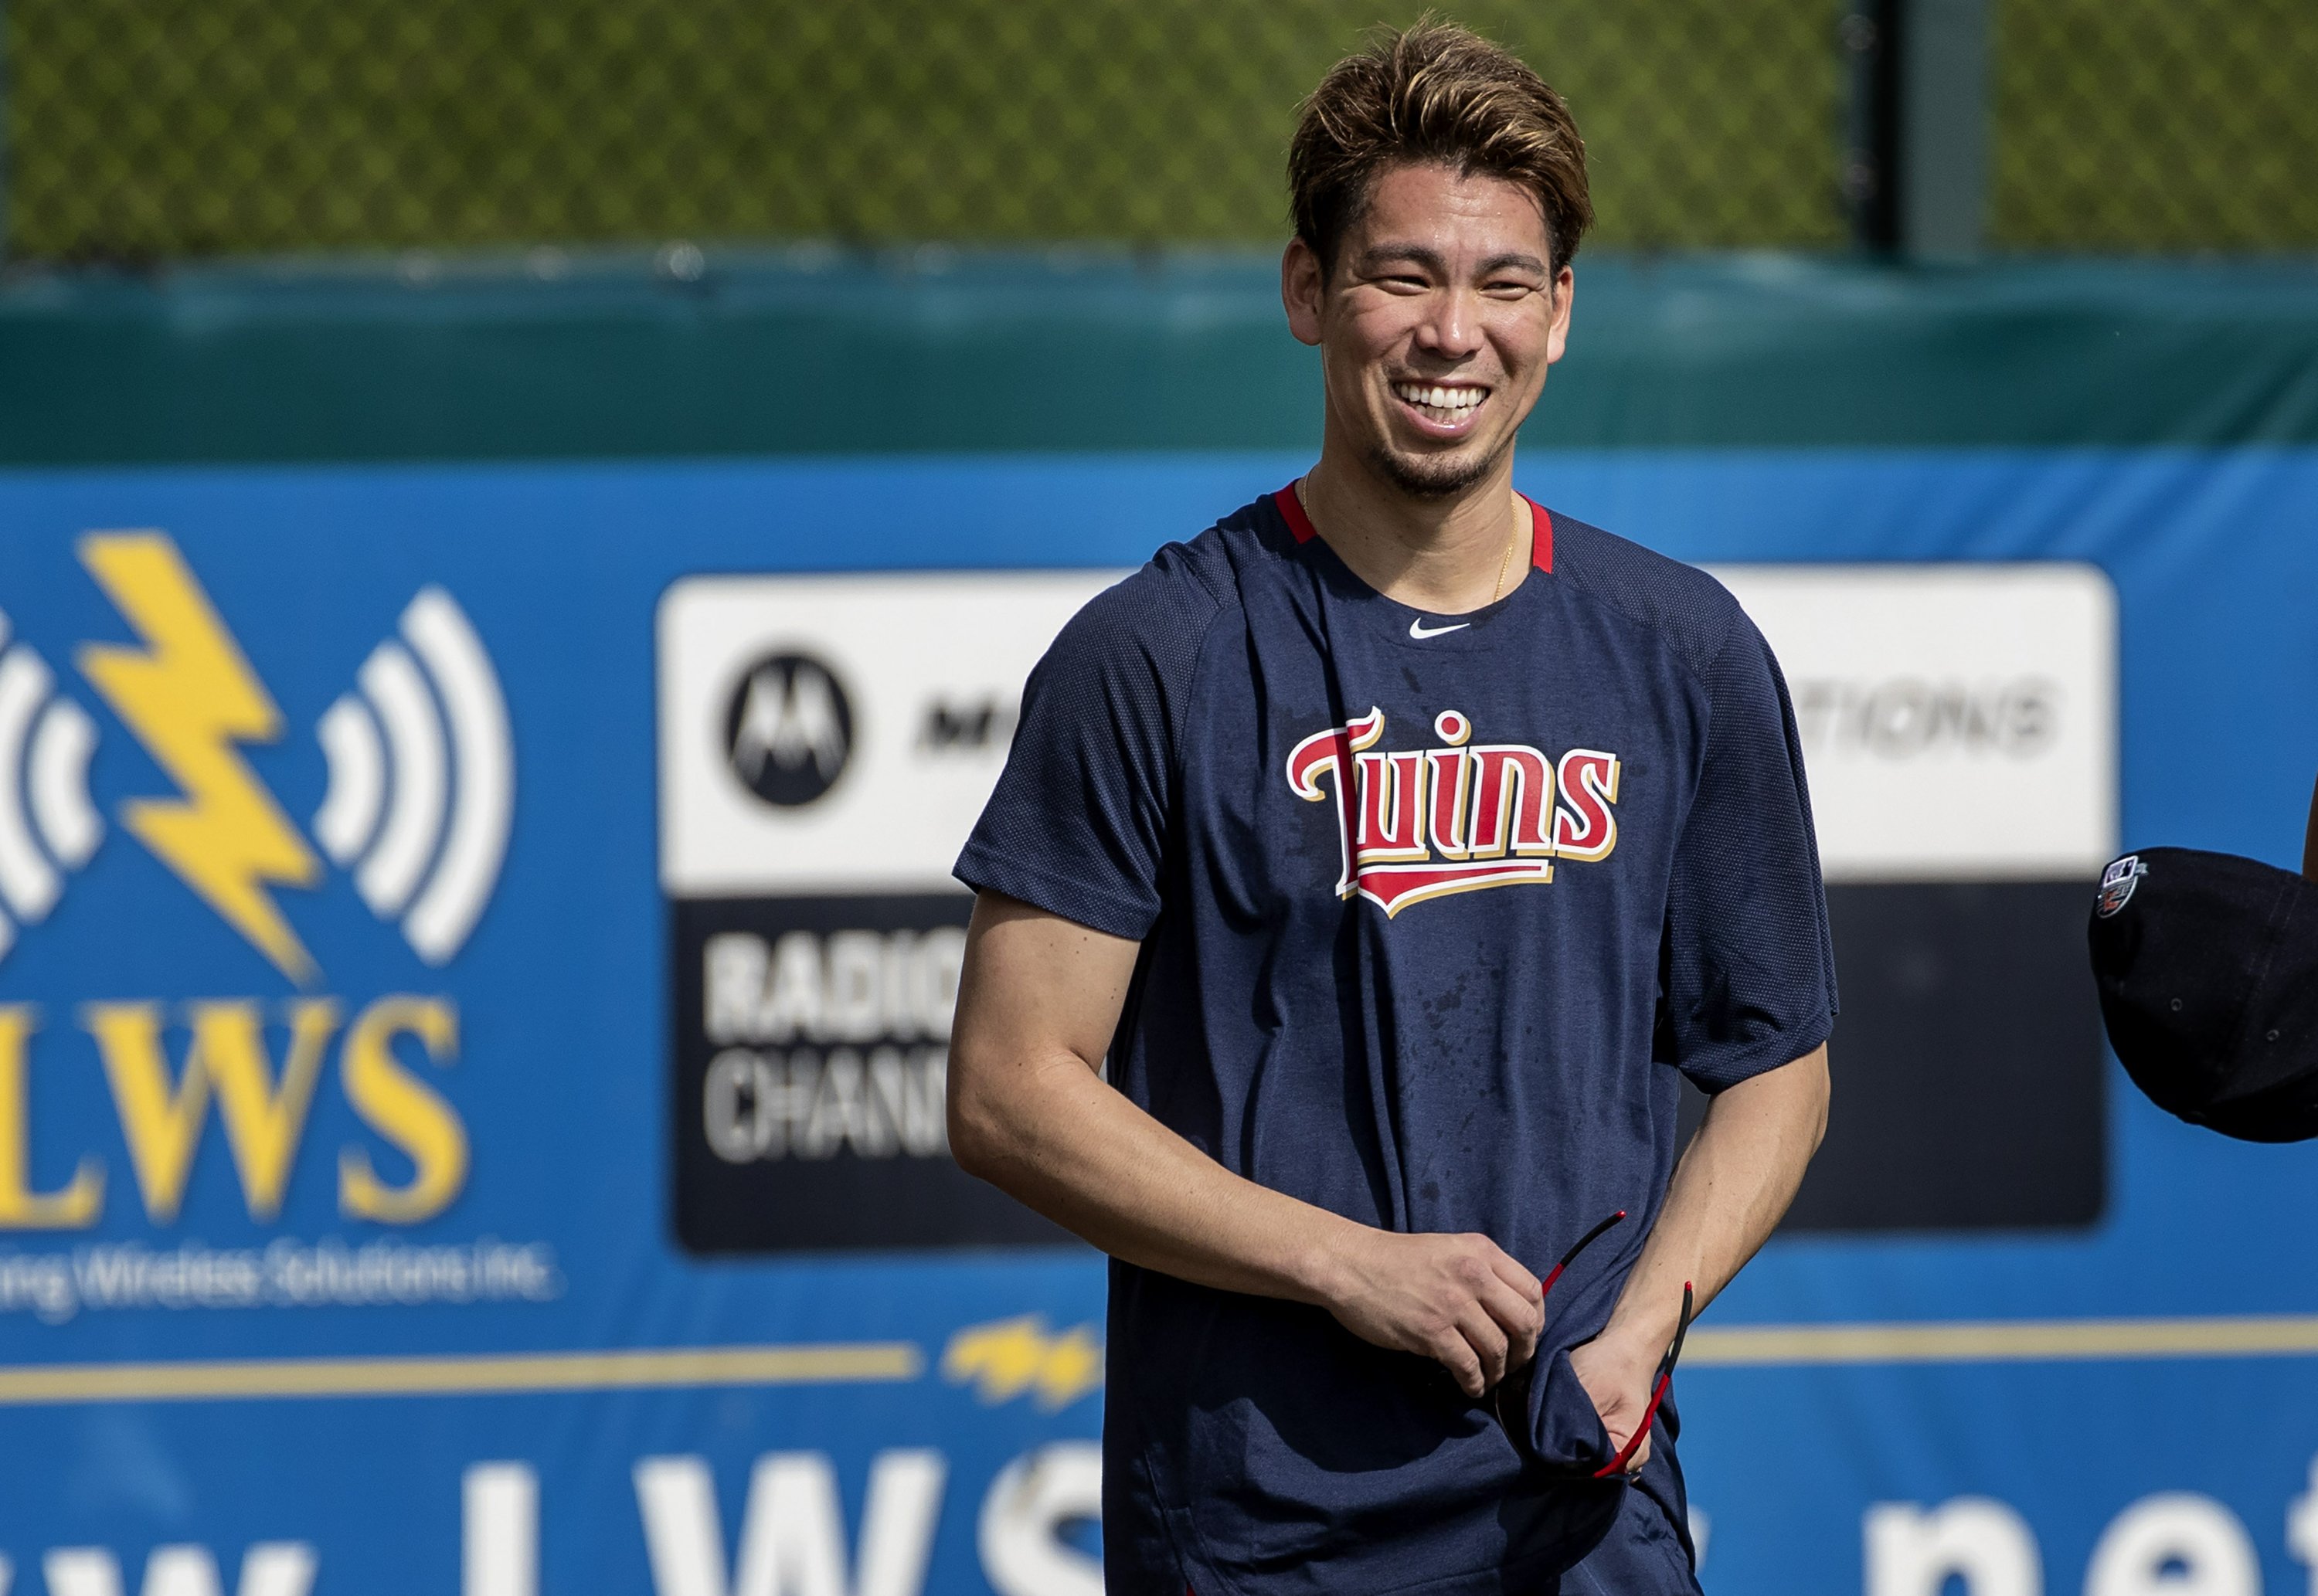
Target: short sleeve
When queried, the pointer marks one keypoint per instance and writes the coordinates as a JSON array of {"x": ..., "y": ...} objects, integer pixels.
[
  {"x": 1747, "y": 967},
  {"x": 1079, "y": 820}
]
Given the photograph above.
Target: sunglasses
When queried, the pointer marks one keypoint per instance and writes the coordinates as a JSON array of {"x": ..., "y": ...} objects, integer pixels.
[{"x": 1512, "y": 1392}]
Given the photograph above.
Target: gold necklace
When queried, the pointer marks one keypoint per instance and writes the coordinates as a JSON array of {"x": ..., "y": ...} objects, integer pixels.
[
  {"x": 1504, "y": 555},
  {"x": 1505, "y": 560}
]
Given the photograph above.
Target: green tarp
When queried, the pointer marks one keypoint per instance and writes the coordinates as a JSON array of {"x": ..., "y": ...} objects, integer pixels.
[{"x": 806, "y": 353}]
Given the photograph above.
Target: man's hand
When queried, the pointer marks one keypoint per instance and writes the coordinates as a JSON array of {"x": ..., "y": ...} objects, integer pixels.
[
  {"x": 1733, "y": 1182},
  {"x": 1457, "y": 1299},
  {"x": 1618, "y": 1376}
]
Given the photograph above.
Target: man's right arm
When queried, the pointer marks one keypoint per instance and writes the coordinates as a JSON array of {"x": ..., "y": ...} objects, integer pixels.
[{"x": 1029, "y": 1113}]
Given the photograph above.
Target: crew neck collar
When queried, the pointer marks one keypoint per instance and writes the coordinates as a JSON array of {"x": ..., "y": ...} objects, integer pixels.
[
  {"x": 1300, "y": 527},
  {"x": 1421, "y": 627}
]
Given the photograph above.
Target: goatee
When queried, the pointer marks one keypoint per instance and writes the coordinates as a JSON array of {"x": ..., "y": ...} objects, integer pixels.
[{"x": 1431, "y": 476}]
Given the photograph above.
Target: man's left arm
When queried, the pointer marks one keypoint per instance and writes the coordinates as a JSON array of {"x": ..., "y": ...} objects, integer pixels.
[{"x": 1730, "y": 1189}]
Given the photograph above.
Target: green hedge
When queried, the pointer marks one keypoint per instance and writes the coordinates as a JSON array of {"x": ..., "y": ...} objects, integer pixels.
[
  {"x": 165, "y": 127},
  {"x": 142, "y": 129}
]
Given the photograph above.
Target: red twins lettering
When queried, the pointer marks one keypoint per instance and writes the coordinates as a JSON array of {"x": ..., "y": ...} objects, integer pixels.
[{"x": 1431, "y": 822}]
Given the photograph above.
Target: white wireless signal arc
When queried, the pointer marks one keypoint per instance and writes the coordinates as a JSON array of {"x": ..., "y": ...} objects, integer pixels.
[
  {"x": 438, "y": 790},
  {"x": 46, "y": 743}
]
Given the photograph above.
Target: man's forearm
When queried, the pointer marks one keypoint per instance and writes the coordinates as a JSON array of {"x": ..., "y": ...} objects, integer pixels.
[
  {"x": 1037, "y": 1006},
  {"x": 1730, "y": 1189},
  {"x": 1068, "y": 1145},
  {"x": 1029, "y": 1114},
  {"x": 1085, "y": 1157}
]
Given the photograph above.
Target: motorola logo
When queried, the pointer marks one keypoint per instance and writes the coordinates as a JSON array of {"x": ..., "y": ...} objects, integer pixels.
[{"x": 789, "y": 730}]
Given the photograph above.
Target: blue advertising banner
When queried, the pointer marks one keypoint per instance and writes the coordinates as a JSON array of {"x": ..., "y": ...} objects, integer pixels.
[{"x": 348, "y": 870}]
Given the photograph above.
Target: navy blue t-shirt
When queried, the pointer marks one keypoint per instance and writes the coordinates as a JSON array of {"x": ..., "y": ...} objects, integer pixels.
[{"x": 1433, "y": 910}]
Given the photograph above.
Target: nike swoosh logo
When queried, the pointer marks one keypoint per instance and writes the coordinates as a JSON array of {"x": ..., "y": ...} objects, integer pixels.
[{"x": 1419, "y": 629}]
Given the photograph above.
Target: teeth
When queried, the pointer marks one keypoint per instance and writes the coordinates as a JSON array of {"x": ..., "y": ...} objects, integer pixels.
[{"x": 1438, "y": 396}]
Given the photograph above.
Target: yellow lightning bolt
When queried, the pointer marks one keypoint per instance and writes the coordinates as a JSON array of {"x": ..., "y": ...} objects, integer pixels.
[
  {"x": 190, "y": 696},
  {"x": 1004, "y": 1359}
]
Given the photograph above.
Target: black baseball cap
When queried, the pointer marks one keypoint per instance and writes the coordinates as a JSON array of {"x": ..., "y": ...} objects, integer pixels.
[{"x": 2207, "y": 965}]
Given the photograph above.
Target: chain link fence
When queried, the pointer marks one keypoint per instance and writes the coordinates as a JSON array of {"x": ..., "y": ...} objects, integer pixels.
[
  {"x": 2165, "y": 125},
  {"x": 149, "y": 129}
]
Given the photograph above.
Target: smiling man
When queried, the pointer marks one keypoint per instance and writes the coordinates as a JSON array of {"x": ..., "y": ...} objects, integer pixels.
[{"x": 1398, "y": 846}]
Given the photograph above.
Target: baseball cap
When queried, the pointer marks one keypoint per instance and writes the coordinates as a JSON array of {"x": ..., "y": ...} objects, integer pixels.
[{"x": 2207, "y": 965}]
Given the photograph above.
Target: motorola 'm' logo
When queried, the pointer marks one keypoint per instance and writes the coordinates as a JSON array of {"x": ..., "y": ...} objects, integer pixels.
[{"x": 789, "y": 729}]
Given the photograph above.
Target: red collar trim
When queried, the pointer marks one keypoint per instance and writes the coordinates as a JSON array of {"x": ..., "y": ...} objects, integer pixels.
[
  {"x": 1540, "y": 538},
  {"x": 1540, "y": 542},
  {"x": 1291, "y": 510}
]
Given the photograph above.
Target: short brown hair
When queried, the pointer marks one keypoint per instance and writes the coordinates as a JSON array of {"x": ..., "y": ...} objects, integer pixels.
[{"x": 1434, "y": 92}]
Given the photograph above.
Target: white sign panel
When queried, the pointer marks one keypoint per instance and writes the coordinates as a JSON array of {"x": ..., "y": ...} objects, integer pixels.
[
  {"x": 1959, "y": 721},
  {"x": 840, "y": 733}
]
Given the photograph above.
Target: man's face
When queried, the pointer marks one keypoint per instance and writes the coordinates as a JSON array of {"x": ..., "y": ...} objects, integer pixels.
[{"x": 1437, "y": 326}]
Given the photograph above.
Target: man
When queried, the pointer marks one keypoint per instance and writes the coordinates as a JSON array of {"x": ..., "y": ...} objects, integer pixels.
[{"x": 1399, "y": 846}]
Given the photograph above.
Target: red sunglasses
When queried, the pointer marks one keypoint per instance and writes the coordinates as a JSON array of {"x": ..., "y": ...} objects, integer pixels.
[{"x": 1512, "y": 1392}]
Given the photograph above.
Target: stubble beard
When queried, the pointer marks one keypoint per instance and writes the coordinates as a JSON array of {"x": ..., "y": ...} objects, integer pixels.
[{"x": 1433, "y": 477}]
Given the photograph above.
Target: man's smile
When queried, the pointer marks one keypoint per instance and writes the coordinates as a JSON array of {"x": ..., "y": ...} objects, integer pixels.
[{"x": 1444, "y": 408}]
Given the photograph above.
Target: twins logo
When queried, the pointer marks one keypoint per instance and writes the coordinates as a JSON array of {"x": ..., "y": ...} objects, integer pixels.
[{"x": 1433, "y": 821}]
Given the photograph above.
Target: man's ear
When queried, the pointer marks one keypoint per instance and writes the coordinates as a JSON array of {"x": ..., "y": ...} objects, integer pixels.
[
  {"x": 2310, "y": 842},
  {"x": 1302, "y": 287},
  {"x": 1565, "y": 299}
]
